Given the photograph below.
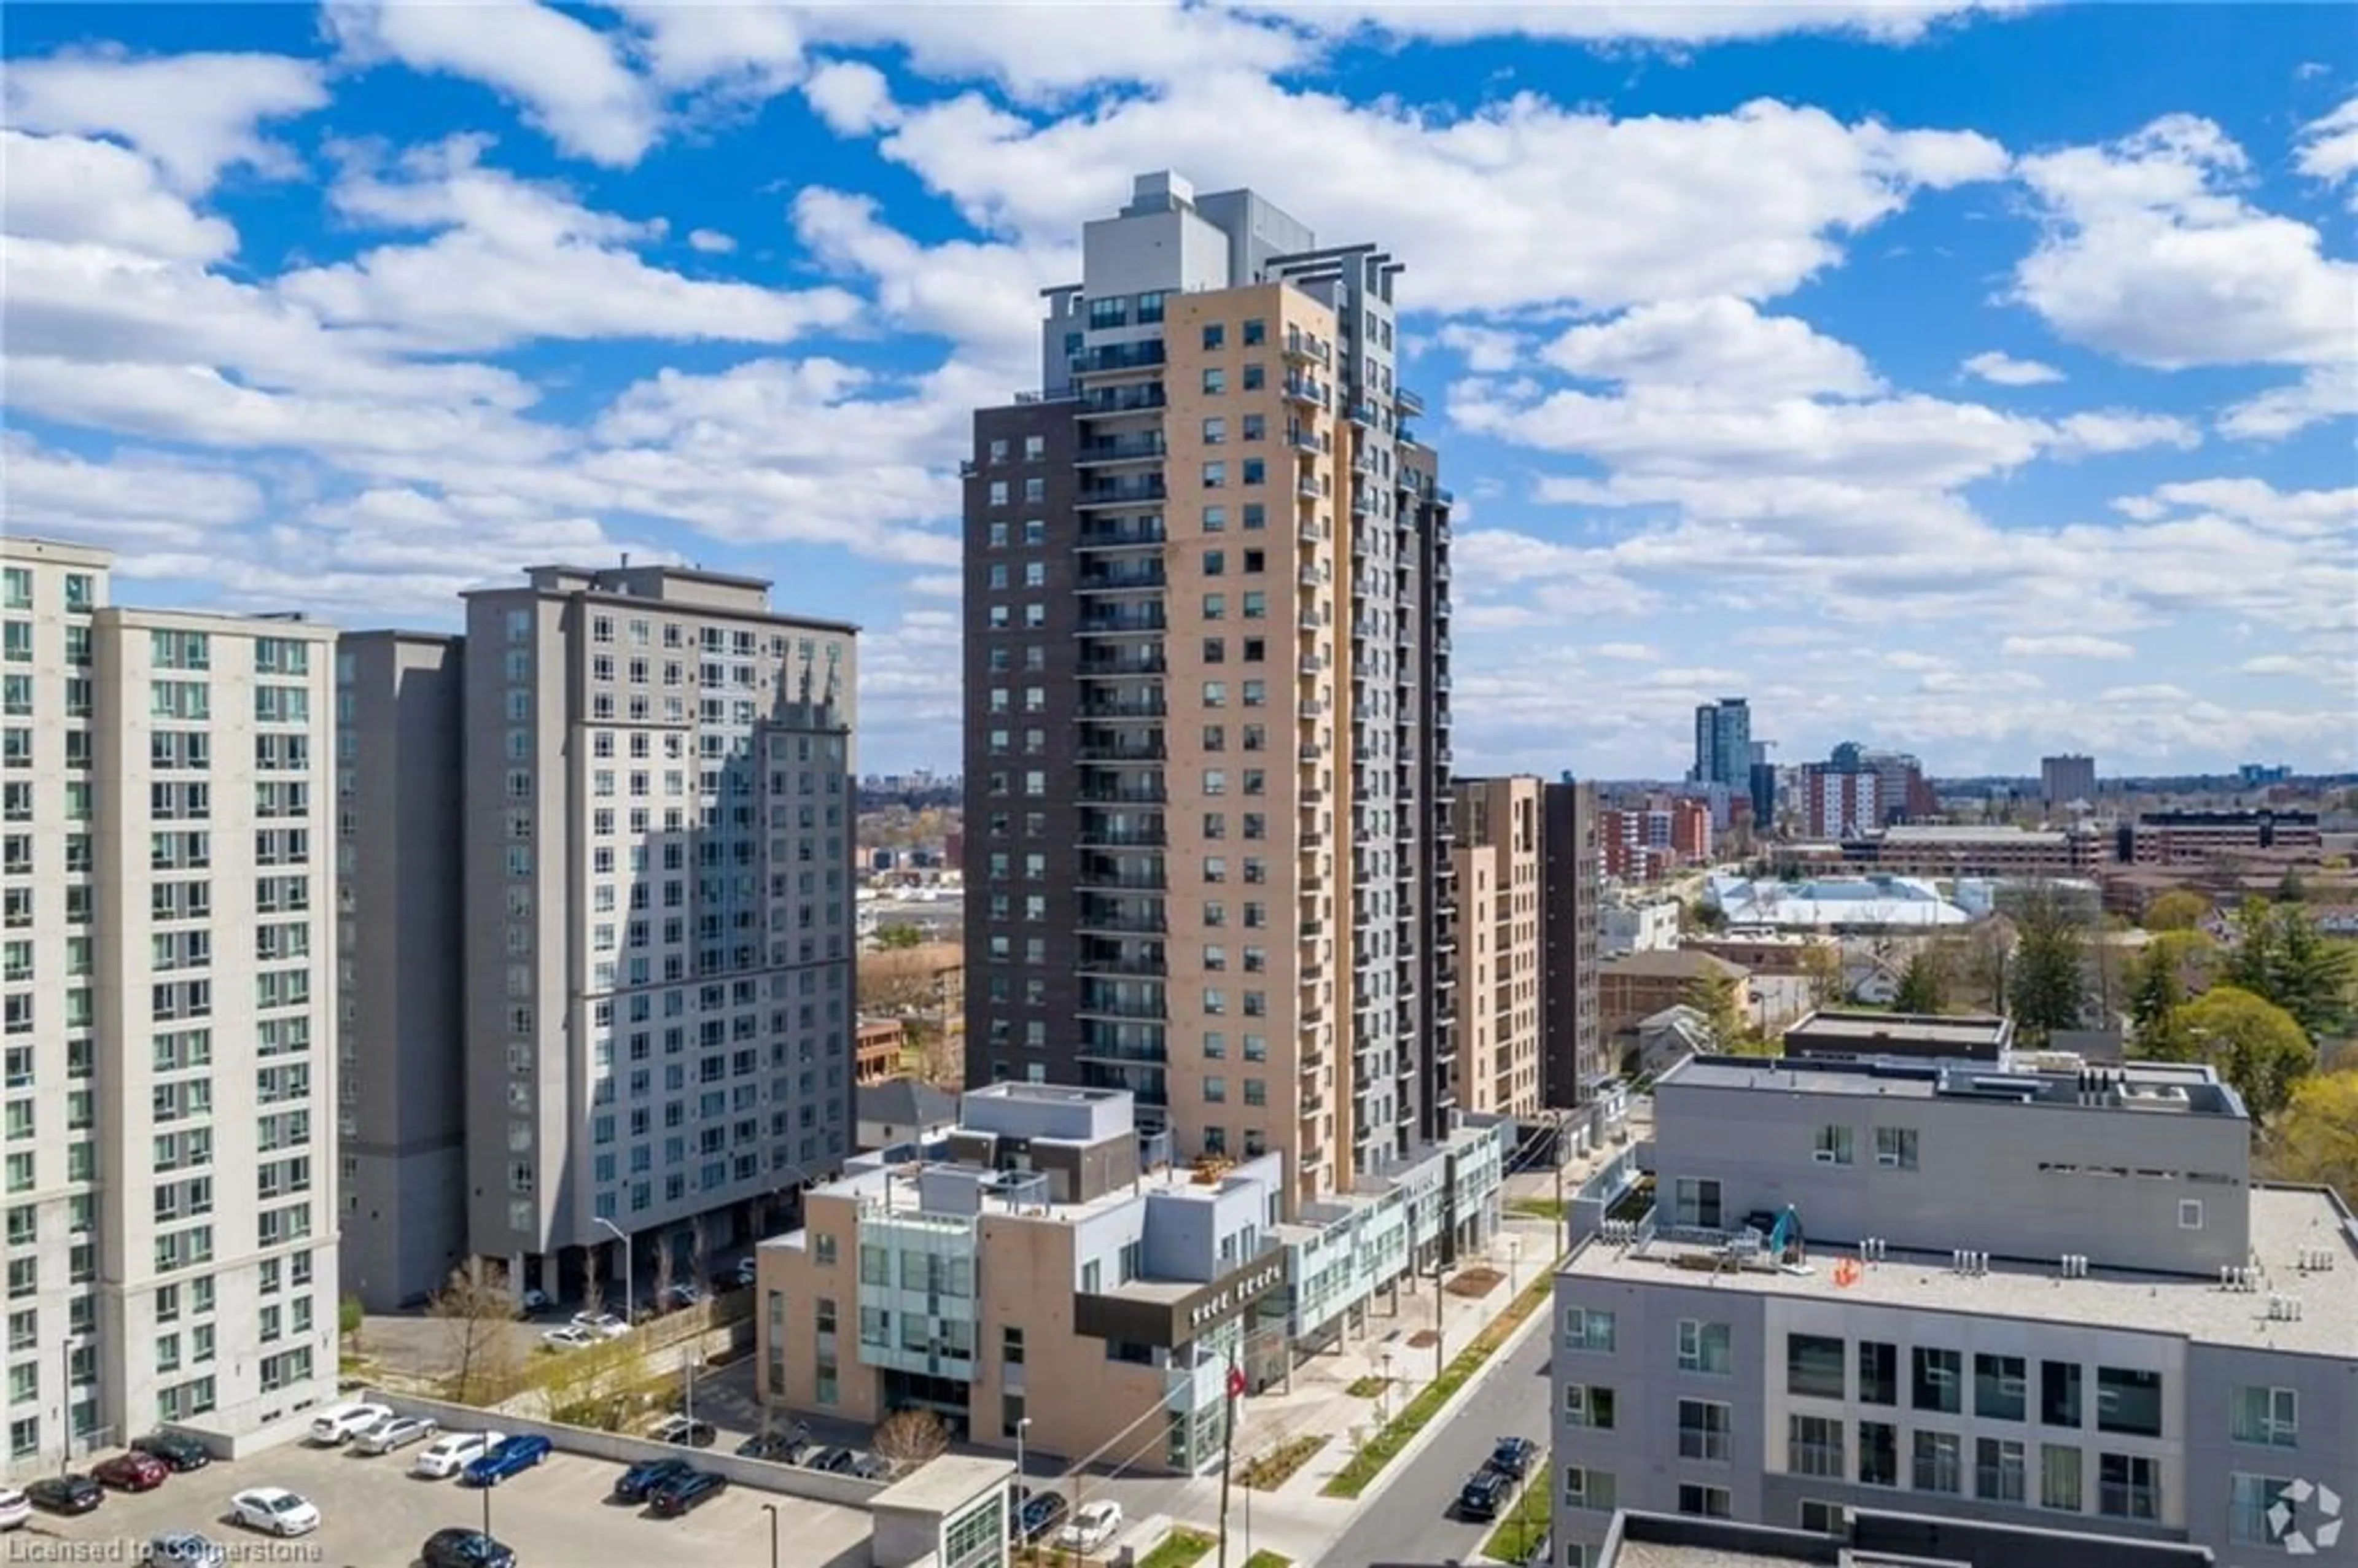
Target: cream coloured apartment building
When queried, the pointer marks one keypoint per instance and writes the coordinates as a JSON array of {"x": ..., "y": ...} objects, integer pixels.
[
  {"x": 1497, "y": 854},
  {"x": 167, "y": 1107},
  {"x": 1206, "y": 673}
]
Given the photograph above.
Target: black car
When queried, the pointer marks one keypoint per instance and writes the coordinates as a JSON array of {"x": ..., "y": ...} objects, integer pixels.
[
  {"x": 66, "y": 1493},
  {"x": 634, "y": 1484},
  {"x": 464, "y": 1549},
  {"x": 1041, "y": 1512},
  {"x": 182, "y": 1453},
  {"x": 837, "y": 1461},
  {"x": 1484, "y": 1494},
  {"x": 691, "y": 1490},
  {"x": 1515, "y": 1457},
  {"x": 788, "y": 1447}
]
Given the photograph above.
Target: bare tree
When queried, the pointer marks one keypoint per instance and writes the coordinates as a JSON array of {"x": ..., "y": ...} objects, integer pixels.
[
  {"x": 593, "y": 1283},
  {"x": 477, "y": 1310},
  {"x": 910, "y": 1437},
  {"x": 699, "y": 1250},
  {"x": 664, "y": 1265}
]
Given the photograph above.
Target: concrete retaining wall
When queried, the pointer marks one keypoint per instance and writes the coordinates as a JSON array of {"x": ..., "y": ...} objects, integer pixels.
[{"x": 845, "y": 1491}]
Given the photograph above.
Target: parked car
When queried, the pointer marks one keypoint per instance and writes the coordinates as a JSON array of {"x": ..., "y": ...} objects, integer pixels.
[
  {"x": 460, "y": 1548},
  {"x": 872, "y": 1467},
  {"x": 339, "y": 1424},
  {"x": 398, "y": 1433},
  {"x": 746, "y": 1271},
  {"x": 132, "y": 1472},
  {"x": 1484, "y": 1494},
  {"x": 788, "y": 1446},
  {"x": 446, "y": 1456},
  {"x": 634, "y": 1484},
  {"x": 1093, "y": 1526},
  {"x": 569, "y": 1338},
  {"x": 75, "y": 1494},
  {"x": 275, "y": 1509},
  {"x": 16, "y": 1507},
  {"x": 533, "y": 1302},
  {"x": 510, "y": 1456},
  {"x": 690, "y": 1491},
  {"x": 685, "y": 1296},
  {"x": 182, "y": 1452},
  {"x": 604, "y": 1324},
  {"x": 184, "y": 1548},
  {"x": 686, "y": 1431},
  {"x": 835, "y": 1461},
  {"x": 1515, "y": 1457},
  {"x": 1040, "y": 1514}
]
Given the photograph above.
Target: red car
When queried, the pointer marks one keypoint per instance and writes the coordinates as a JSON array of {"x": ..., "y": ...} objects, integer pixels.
[{"x": 133, "y": 1472}]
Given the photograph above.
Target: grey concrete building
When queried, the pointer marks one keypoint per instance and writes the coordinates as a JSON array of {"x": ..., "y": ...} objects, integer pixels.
[
  {"x": 1571, "y": 873},
  {"x": 658, "y": 983},
  {"x": 400, "y": 1032},
  {"x": 1207, "y": 662},
  {"x": 2013, "y": 1292},
  {"x": 165, "y": 977}
]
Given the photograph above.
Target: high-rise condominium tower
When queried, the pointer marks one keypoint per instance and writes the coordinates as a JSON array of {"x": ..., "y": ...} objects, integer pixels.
[
  {"x": 658, "y": 910},
  {"x": 1723, "y": 743},
  {"x": 166, "y": 1152},
  {"x": 1206, "y": 673}
]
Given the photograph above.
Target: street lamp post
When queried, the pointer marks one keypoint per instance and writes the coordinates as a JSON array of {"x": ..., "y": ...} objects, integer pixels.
[
  {"x": 486, "y": 1489},
  {"x": 690, "y": 1365},
  {"x": 1021, "y": 1425},
  {"x": 1514, "y": 1256},
  {"x": 772, "y": 1510},
  {"x": 630, "y": 1300}
]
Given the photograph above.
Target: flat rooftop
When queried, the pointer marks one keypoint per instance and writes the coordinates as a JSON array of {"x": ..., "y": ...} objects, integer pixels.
[
  {"x": 1867, "y": 1028},
  {"x": 2286, "y": 1222},
  {"x": 1951, "y": 834},
  {"x": 2149, "y": 1086}
]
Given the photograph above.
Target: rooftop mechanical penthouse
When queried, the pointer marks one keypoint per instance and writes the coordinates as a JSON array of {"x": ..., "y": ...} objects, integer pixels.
[{"x": 2028, "y": 1291}]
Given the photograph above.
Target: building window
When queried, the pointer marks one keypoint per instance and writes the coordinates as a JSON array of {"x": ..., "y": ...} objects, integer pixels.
[
  {"x": 2249, "y": 1499},
  {"x": 2270, "y": 1417},
  {"x": 2059, "y": 1393},
  {"x": 2129, "y": 1486},
  {"x": 1707, "y": 1502},
  {"x": 1879, "y": 1453},
  {"x": 1813, "y": 1446},
  {"x": 1696, "y": 1202},
  {"x": 1999, "y": 1470},
  {"x": 1937, "y": 1385},
  {"x": 2059, "y": 1477},
  {"x": 1813, "y": 1366},
  {"x": 1704, "y": 1426},
  {"x": 1832, "y": 1146},
  {"x": 1216, "y": 334},
  {"x": 1590, "y": 1489},
  {"x": 1894, "y": 1147},
  {"x": 1938, "y": 1462},
  {"x": 1999, "y": 1387},
  {"x": 1585, "y": 1329},
  {"x": 1824, "y": 1518},
  {"x": 2128, "y": 1401},
  {"x": 1589, "y": 1406},
  {"x": 1705, "y": 1347}
]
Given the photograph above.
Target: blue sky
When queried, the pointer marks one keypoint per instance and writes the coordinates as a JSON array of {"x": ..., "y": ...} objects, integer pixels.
[{"x": 1972, "y": 380}]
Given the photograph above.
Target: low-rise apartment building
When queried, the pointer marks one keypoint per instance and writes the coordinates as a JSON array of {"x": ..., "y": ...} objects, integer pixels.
[
  {"x": 1045, "y": 1267},
  {"x": 2017, "y": 1291},
  {"x": 2196, "y": 838}
]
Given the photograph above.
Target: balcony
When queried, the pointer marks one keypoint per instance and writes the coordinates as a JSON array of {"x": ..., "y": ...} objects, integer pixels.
[
  {"x": 1132, "y": 621},
  {"x": 1145, "y": 447},
  {"x": 1363, "y": 502},
  {"x": 1302, "y": 438},
  {"x": 1312, "y": 707},
  {"x": 1308, "y": 488},
  {"x": 1136, "y": 663},
  {"x": 1095, "y": 838},
  {"x": 1113, "y": 964},
  {"x": 1120, "y": 753},
  {"x": 1126, "y": 536},
  {"x": 1308, "y": 350},
  {"x": 1139, "y": 578},
  {"x": 1442, "y": 497},
  {"x": 1101, "y": 401},
  {"x": 1144, "y": 490},
  {"x": 1120, "y": 923},
  {"x": 1123, "y": 1008},
  {"x": 1128, "y": 793},
  {"x": 1408, "y": 403},
  {"x": 1313, "y": 1103},
  {"x": 1136, "y": 707},
  {"x": 1115, "y": 359},
  {"x": 1363, "y": 415},
  {"x": 1307, "y": 390},
  {"x": 1311, "y": 531}
]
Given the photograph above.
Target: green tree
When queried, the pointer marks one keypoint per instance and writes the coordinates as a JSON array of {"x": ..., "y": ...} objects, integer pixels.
[
  {"x": 898, "y": 935},
  {"x": 2254, "y": 1045},
  {"x": 1717, "y": 994},
  {"x": 2158, "y": 989},
  {"x": 2279, "y": 954},
  {"x": 2180, "y": 909},
  {"x": 1923, "y": 985},
  {"x": 2047, "y": 983},
  {"x": 2316, "y": 1139}
]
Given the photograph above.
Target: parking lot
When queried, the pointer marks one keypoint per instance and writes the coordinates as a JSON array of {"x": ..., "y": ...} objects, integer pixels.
[{"x": 375, "y": 1515}]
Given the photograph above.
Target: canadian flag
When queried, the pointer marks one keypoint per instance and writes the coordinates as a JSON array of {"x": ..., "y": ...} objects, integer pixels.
[{"x": 1236, "y": 1384}]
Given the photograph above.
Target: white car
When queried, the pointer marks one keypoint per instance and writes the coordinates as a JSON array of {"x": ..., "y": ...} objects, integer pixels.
[
  {"x": 568, "y": 1338},
  {"x": 604, "y": 1324},
  {"x": 398, "y": 1433},
  {"x": 16, "y": 1507},
  {"x": 275, "y": 1509},
  {"x": 1094, "y": 1526},
  {"x": 339, "y": 1424},
  {"x": 446, "y": 1456},
  {"x": 747, "y": 1271}
]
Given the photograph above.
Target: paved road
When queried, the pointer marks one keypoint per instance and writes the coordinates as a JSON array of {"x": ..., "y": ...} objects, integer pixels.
[{"x": 1409, "y": 1520}]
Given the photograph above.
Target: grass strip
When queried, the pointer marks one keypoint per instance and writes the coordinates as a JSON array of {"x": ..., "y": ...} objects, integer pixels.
[
  {"x": 1525, "y": 1523},
  {"x": 1381, "y": 1449},
  {"x": 1267, "y": 1472},
  {"x": 1268, "y": 1560},
  {"x": 1179, "y": 1549}
]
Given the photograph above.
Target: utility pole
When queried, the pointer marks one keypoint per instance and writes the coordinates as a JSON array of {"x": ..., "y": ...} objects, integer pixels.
[
  {"x": 1234, "y": 1386},
  {"x": 1439, "y": 1268}
]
